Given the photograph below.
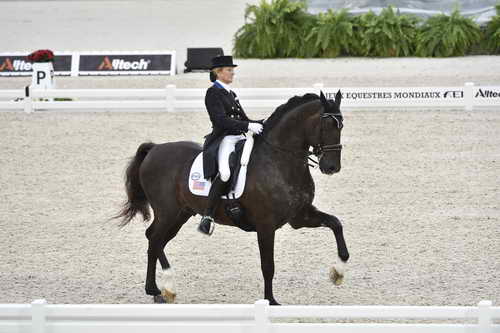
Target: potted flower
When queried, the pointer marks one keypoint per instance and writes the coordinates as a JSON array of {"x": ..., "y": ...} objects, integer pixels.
[
  {"x": 43, "y": 69},
  {"x": 41, "y": 56}
]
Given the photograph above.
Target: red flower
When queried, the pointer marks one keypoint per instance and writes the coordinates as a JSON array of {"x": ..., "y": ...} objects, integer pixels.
[{"x": 41, "y": 56}]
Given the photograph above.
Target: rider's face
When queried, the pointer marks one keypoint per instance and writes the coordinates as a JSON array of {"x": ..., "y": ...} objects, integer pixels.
[{"x": 226, "y": 75}]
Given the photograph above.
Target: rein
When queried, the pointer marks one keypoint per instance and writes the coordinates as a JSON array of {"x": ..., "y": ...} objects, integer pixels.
[
  {"x": 297, "y": 154},
  {"x": 318, "y": 149}
]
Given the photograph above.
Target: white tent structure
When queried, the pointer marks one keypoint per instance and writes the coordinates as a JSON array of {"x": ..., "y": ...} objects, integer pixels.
[{"x": 480, "y": 10}]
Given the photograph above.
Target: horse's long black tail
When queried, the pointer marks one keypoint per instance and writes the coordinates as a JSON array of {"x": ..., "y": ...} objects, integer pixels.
[{"x": 137, "y": 201}]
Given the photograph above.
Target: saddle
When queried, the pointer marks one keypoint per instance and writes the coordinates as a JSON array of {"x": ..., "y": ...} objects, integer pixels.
[{"x": 238, "y": 161}]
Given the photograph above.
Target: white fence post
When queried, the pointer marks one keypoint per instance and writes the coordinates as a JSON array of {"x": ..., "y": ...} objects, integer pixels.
[
  {"x": 28, "y": 101},
  {"x": 170, "y": 97},
  {"x": 262, "y": 316},
  {"x": 318, "y": 87},
  {"x": 75, "y": 64},
  {"x": 468, "y": 96},
  {"x": 38, "y": 316},
  {"x": 484, "y": 316}
]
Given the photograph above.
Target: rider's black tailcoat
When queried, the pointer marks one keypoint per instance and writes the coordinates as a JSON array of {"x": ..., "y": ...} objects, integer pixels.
[{"x": 228, "y": 118}]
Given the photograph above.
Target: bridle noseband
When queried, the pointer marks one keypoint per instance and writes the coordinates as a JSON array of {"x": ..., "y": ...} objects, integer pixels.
[{"x": 321, "y": 149}]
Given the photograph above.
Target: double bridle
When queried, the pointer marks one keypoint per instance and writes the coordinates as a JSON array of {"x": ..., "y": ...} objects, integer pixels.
[
  {"x": 318, "y": 149},
  {"x": 321, "y": 148}
]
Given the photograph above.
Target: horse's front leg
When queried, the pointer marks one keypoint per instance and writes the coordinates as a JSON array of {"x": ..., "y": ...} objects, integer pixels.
[
  {"x": 265, "y": 237},
  {"x": 310, "y": 217}
]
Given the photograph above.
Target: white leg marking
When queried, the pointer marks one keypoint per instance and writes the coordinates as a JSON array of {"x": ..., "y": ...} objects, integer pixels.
[
  {"x": 167, "y": 279},
  {"x": 340, "y": 267},
  {"x": 337, "y": 273}
]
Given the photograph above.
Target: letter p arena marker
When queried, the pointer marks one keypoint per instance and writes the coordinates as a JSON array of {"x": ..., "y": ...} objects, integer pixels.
[{"x": 43, "y": 75}]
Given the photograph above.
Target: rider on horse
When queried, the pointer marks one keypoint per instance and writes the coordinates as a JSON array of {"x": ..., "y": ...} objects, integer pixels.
[{"x": 229, "y": 123}]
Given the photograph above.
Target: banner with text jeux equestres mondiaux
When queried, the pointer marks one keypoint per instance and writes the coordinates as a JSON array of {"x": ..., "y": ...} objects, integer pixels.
[{"x": 417, "y": 96}]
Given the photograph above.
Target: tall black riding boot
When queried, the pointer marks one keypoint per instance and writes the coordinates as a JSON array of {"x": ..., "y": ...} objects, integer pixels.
[{"x": 218, "y": 189}]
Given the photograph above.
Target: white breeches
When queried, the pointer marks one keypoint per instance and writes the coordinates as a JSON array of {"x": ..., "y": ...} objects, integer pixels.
[{"x": 225, "y": 149}]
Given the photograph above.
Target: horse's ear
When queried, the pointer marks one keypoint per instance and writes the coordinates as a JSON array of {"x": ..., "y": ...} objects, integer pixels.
[
  {"x": 323, "y": 100},
  {"x": 322, "y": 96},
  {"x": 338, "y": 98}
]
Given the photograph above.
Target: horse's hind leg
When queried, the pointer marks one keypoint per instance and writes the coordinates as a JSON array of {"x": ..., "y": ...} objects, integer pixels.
[
  {"x": 162, "y": 230},
  {"x": 152, "y": 236},
  {"x": 167, "y": 280}
]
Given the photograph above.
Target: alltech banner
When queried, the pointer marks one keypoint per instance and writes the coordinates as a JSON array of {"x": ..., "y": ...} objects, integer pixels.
[
  {"x": 16, "y": 64},
  {"x": 95, "y": 63},
  {"x": 487, "y": 96},
  {"x": 127, "y": 63}
]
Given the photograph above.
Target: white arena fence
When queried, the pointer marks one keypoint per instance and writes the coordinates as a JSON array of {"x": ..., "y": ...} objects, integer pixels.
[
  {"x": 40, "y": 317},
  {"x": 468, "y": 97}
]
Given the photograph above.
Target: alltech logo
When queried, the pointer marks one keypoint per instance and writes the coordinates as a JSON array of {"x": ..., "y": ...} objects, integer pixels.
[
  {"x": 487, "y": 93},
  {"x": 17, "y": 65},
  {"x": 122, "y": 64},
  {"x": 115, "y": 64},
  {"x": 13, "y": 64}
]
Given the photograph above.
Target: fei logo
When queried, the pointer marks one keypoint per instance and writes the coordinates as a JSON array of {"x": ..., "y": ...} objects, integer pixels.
[{"x": 453, "y": 94}]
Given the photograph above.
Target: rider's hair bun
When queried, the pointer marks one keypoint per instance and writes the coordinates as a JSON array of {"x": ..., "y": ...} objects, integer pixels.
[{"x": 213, "y": 76}]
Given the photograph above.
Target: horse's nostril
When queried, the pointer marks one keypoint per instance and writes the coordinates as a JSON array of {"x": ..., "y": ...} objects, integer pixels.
[{"x": 334, "y": 169}]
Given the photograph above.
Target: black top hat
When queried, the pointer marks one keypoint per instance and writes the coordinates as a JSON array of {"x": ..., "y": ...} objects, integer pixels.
[{"x": 222, "y": 61}]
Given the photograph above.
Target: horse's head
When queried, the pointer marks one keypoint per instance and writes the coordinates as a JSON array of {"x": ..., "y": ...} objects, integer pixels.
[
  {"x": 327, "y": 146},
  {"x": 306, "y": 121}
]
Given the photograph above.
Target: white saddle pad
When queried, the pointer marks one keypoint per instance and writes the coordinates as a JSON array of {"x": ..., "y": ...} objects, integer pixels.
[{"x": 198, "y": 185}]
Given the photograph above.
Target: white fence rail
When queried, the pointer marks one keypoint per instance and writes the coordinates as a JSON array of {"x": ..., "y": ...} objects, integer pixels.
[
  {"x": 40, "y": 317},
  {"x": 467, "y": 96}
]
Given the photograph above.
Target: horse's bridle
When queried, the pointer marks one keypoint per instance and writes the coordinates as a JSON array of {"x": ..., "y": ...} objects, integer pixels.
[
  {"x": 318, "y": 149},
  {"x": 321, "y": 148}
]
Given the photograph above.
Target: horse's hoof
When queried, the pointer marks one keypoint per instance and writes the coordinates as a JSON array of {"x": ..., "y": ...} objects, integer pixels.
[
  {"x": 273, "y": 302},
  {"x": 168, "y": 296},
  {"x": 158, "y": 299},
  {"x": 336, "y": 277}
]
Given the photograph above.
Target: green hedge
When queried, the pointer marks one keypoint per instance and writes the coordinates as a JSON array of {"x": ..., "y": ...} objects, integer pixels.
[
  {"x": 277, "y": 30},
  {"x": 284, "y": 29},
  {"x": 492, "y": 33},
  {"x": 446, "y": 36}
]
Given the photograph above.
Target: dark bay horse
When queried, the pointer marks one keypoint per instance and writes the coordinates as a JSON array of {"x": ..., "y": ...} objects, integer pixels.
[{"x": 279, "y": 186}]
